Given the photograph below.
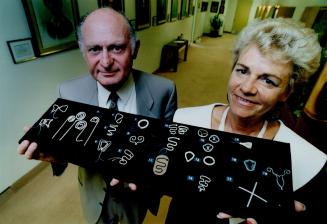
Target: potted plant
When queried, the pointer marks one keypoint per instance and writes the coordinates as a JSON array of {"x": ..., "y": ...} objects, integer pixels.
[{"x": 216, "y": 24}]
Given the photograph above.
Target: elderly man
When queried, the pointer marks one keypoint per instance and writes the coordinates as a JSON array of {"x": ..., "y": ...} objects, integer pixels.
[{"x": 108, "y": 44}]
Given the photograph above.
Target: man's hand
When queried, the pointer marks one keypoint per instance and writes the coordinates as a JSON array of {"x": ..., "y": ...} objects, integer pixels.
[
  {"x": 131, "y": 186},
  {"x": 29, "y": 149}
]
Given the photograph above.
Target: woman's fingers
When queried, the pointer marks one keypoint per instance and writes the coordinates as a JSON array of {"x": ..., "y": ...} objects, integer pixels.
[
  {"x": 250, "y": 221},
  {"x": 222, "y": 215},
  {"x": 299, "y": 207}
]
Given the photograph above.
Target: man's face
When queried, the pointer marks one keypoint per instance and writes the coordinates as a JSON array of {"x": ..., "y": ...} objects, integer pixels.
[{"x": 107, "y": 48}]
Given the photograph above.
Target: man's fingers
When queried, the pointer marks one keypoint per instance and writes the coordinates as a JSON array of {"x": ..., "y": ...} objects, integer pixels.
[
  {"x": 31, "y": 150},
  {"x": 22, "y": 147},
  {"x": 26, "y": 128},
  {"x": 114, "y": 182},
  {"x": 132, "y": 186}
]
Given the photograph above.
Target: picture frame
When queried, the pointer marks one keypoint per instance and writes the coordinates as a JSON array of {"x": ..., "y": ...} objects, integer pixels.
[
  {"x": 204, "y": 6},
  {"x": 214, "y": 7},
  {"x": 191, "y": 7},
  {"x": 269, "y": 13},
  {"x": 143, "y": 14},
  {"x": 161, "y": 12},
  {"x": 21, "y": 50},
  {"x": 222, "y": 7},
  {"x": 284, "y": 11},
  {"x": 174, "y": 10},
  {"x": 183, "y": 12},
  {"x": 259, "y": 11},
  {"x": 52, "y": 25},
  {"x": 117, "y": 5}
]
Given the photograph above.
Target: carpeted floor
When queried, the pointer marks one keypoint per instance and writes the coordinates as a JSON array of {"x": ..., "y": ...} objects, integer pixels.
[{"x": 202, "y": 79}]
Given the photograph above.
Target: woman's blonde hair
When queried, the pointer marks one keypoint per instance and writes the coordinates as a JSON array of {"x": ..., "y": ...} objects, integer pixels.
[{"x": 283, "y": 40}]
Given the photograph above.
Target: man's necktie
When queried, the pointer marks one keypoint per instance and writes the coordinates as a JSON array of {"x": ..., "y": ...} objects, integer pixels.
[{"x": 113, "y": 101}]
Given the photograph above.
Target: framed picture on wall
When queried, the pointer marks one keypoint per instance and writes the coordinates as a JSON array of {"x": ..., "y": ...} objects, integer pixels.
[
  {"x": 143, "y": 14},
  {"x": 204, "y": 6},
  {"x": 174, "y": 10},
  {"x": 21, "y": 50},
  {"x": 259, "y": 11},
  {"x": 214, "y": 7},
  {"x": 191, "y": 7},
  {"x": 222, "y": 7},
  {"x": 52, "y": 25},
  {"x": 118, "y": 5},
  {"x": 284, "y": 11},
  {"x": 183, "y": 13},
  {"x": 161, "y": 11}
]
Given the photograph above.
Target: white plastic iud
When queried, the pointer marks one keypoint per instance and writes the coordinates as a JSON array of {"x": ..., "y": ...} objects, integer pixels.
[
  {"x": 143, "y": 123},
  {"x": 136, "y": 140},
  {"x": 252, "y": 194},
  {"x": 95, "y": 120},
  {"x": 103, "y": 145},
  {"x": 249, "y": 164},
  {"x": 203, "y": 183},
  {"x": 279, "y": 177},
  {"x": 202, "y": 133},
  {"x": 55, "y": 108},
  {"x": 246, "y": 144}
]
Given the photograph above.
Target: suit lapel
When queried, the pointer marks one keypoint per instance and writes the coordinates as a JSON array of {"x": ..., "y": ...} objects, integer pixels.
[
  {"x": 90, "y": 94},
  {"x": 144, "y": 99},
  {"x": 94, "y": 98}
]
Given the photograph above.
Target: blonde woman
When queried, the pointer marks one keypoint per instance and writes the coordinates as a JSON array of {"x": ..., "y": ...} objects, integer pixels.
[{"x": 269, "y": 57}]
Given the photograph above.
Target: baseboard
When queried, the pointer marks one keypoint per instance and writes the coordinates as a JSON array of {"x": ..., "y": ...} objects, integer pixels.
[
  {"x": 29, "y": 175},
  {"x": 23, "y": 180}
]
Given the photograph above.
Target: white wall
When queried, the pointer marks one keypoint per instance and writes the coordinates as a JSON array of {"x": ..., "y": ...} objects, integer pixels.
[
  {"x": 229, "y": 15},
  {"x": 299, "y": 4},
  {"x": 28, "y": 89},
  {"x": 200, "y": 20}
]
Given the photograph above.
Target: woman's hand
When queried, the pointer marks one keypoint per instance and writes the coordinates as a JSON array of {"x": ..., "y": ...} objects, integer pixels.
[
  {"x": 298, "y": 206},
  {"x": 222, "y": 215}
]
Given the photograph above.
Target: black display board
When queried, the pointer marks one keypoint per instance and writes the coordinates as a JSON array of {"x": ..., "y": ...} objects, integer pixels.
[{"x": 241, "y": 175}]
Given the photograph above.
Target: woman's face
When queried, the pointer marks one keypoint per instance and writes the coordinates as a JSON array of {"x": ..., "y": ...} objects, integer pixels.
[{"x": 257, "y": 84}]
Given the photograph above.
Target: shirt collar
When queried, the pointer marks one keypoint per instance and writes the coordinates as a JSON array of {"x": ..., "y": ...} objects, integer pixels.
[{"x": 124, "y": 93}]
